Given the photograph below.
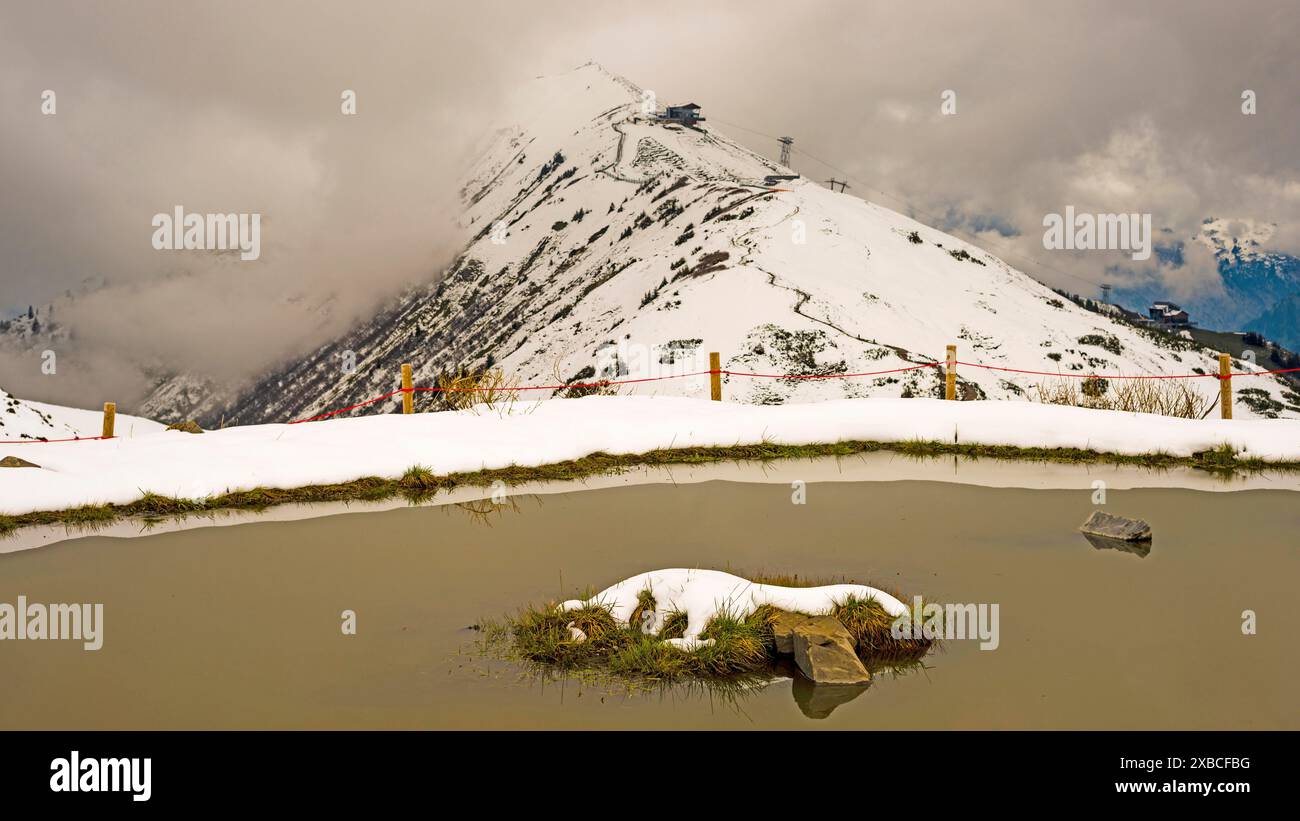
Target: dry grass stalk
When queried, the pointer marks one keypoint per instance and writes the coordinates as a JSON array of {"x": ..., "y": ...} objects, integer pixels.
[
  {"x": 473, "y": 390},
  {"x": 1164, "y": 397}
]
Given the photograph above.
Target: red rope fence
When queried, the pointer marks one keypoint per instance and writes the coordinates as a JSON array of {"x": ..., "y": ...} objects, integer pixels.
[
  {"x": 510, "y": 388},
  {"x": 714, "y": 374},
  {"x": 1131, "y": 376},
  {"x": 52, "y": 441},
  {"x": 752, "y": 375}
]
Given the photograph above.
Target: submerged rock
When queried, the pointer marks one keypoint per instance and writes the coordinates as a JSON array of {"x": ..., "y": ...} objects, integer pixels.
[
  {"x": 824, "y": 651},
  {"x": 188, "y": 426},
  {"x": 15, "y": 462},
  {"x": 1116, "y": 527}
]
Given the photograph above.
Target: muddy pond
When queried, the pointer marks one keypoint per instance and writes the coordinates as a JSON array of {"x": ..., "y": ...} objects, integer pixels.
[{"x": 240, "y": 626}]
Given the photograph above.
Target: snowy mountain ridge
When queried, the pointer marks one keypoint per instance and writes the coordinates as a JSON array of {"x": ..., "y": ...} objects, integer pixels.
[
  {"x": 604, "y": 243},
  {"x": 1255, "y": 287},
  {"x": 1237, "y": 240}
]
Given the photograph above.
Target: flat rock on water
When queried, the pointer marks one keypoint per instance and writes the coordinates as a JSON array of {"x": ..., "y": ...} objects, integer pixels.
[
  {"x": 1116, "y": 527},
  {"x": 824, "y": 651}
]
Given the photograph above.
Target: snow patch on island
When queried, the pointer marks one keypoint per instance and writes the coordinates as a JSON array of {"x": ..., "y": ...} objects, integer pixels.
[{"x": 704, "y": 595}]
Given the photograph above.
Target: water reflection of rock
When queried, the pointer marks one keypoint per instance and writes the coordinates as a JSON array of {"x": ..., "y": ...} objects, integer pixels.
[
  {"x": 815, "y": 700},
  {"x": 1140, "y": 549}
]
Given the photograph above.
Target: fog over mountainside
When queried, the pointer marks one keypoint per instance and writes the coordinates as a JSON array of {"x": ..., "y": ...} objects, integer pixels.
[
  {"x": 603, "y": 243},
  {"x": 237, "y": 108}
]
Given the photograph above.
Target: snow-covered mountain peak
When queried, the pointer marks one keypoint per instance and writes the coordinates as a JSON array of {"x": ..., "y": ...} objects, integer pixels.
[
  {"x": 605, "y": 242},
  {"x": 1236, "y": 240}
]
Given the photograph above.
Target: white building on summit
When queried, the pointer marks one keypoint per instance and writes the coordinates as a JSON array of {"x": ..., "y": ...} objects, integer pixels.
[
  {"x": 1167, "y": 313},
  {"x": 688, "y": 114}
]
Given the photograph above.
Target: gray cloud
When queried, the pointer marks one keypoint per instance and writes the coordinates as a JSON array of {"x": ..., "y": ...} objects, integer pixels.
[{"x": 235, "y": 107}]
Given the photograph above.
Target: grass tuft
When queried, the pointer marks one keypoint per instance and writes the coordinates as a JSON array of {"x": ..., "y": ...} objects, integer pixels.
[
  {"x": 645, "y": 603},
  {"x": 741, "y": 645},
  {"x": 154, "y": 504},
  {"x": 542, "y": 634},
  {"x": 871, "y": 626},
  {"x": 674, "y": 625}
]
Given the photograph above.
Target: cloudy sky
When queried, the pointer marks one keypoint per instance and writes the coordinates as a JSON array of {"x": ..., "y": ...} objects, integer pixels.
[{"x": 234, "y": 106}]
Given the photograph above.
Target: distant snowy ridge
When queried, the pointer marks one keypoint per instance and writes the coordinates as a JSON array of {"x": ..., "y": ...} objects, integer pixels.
[
  {"x": 1237, "y": 240},
  {"x": 1253, "y": 290}
]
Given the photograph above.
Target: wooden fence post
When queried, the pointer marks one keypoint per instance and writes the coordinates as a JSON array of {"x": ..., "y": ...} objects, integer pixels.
[
  {"x": 408, "y": 395},
  {"x": 715, "y": 376},
  {"x": 110, "y": 413},
  {"x": 1225, "y": 385},
  {"x": 950, "y": 389}
]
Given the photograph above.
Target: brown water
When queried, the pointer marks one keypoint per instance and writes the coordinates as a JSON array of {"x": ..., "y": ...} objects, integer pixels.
[{"x": 240, "y": 626}]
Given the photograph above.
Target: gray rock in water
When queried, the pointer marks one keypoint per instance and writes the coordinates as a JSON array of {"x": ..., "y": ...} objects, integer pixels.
[
  {"x": 783, "y": 630},
  {"x": 824, "y": 651},
  {"x": 1117, "y": 527},
  {"x": 15, "y": 462}
]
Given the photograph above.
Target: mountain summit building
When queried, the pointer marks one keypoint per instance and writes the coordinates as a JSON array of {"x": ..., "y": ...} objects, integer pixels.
[
  {"x": 1167, "y": 313},
  {"x": 688, "y": 114}
]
